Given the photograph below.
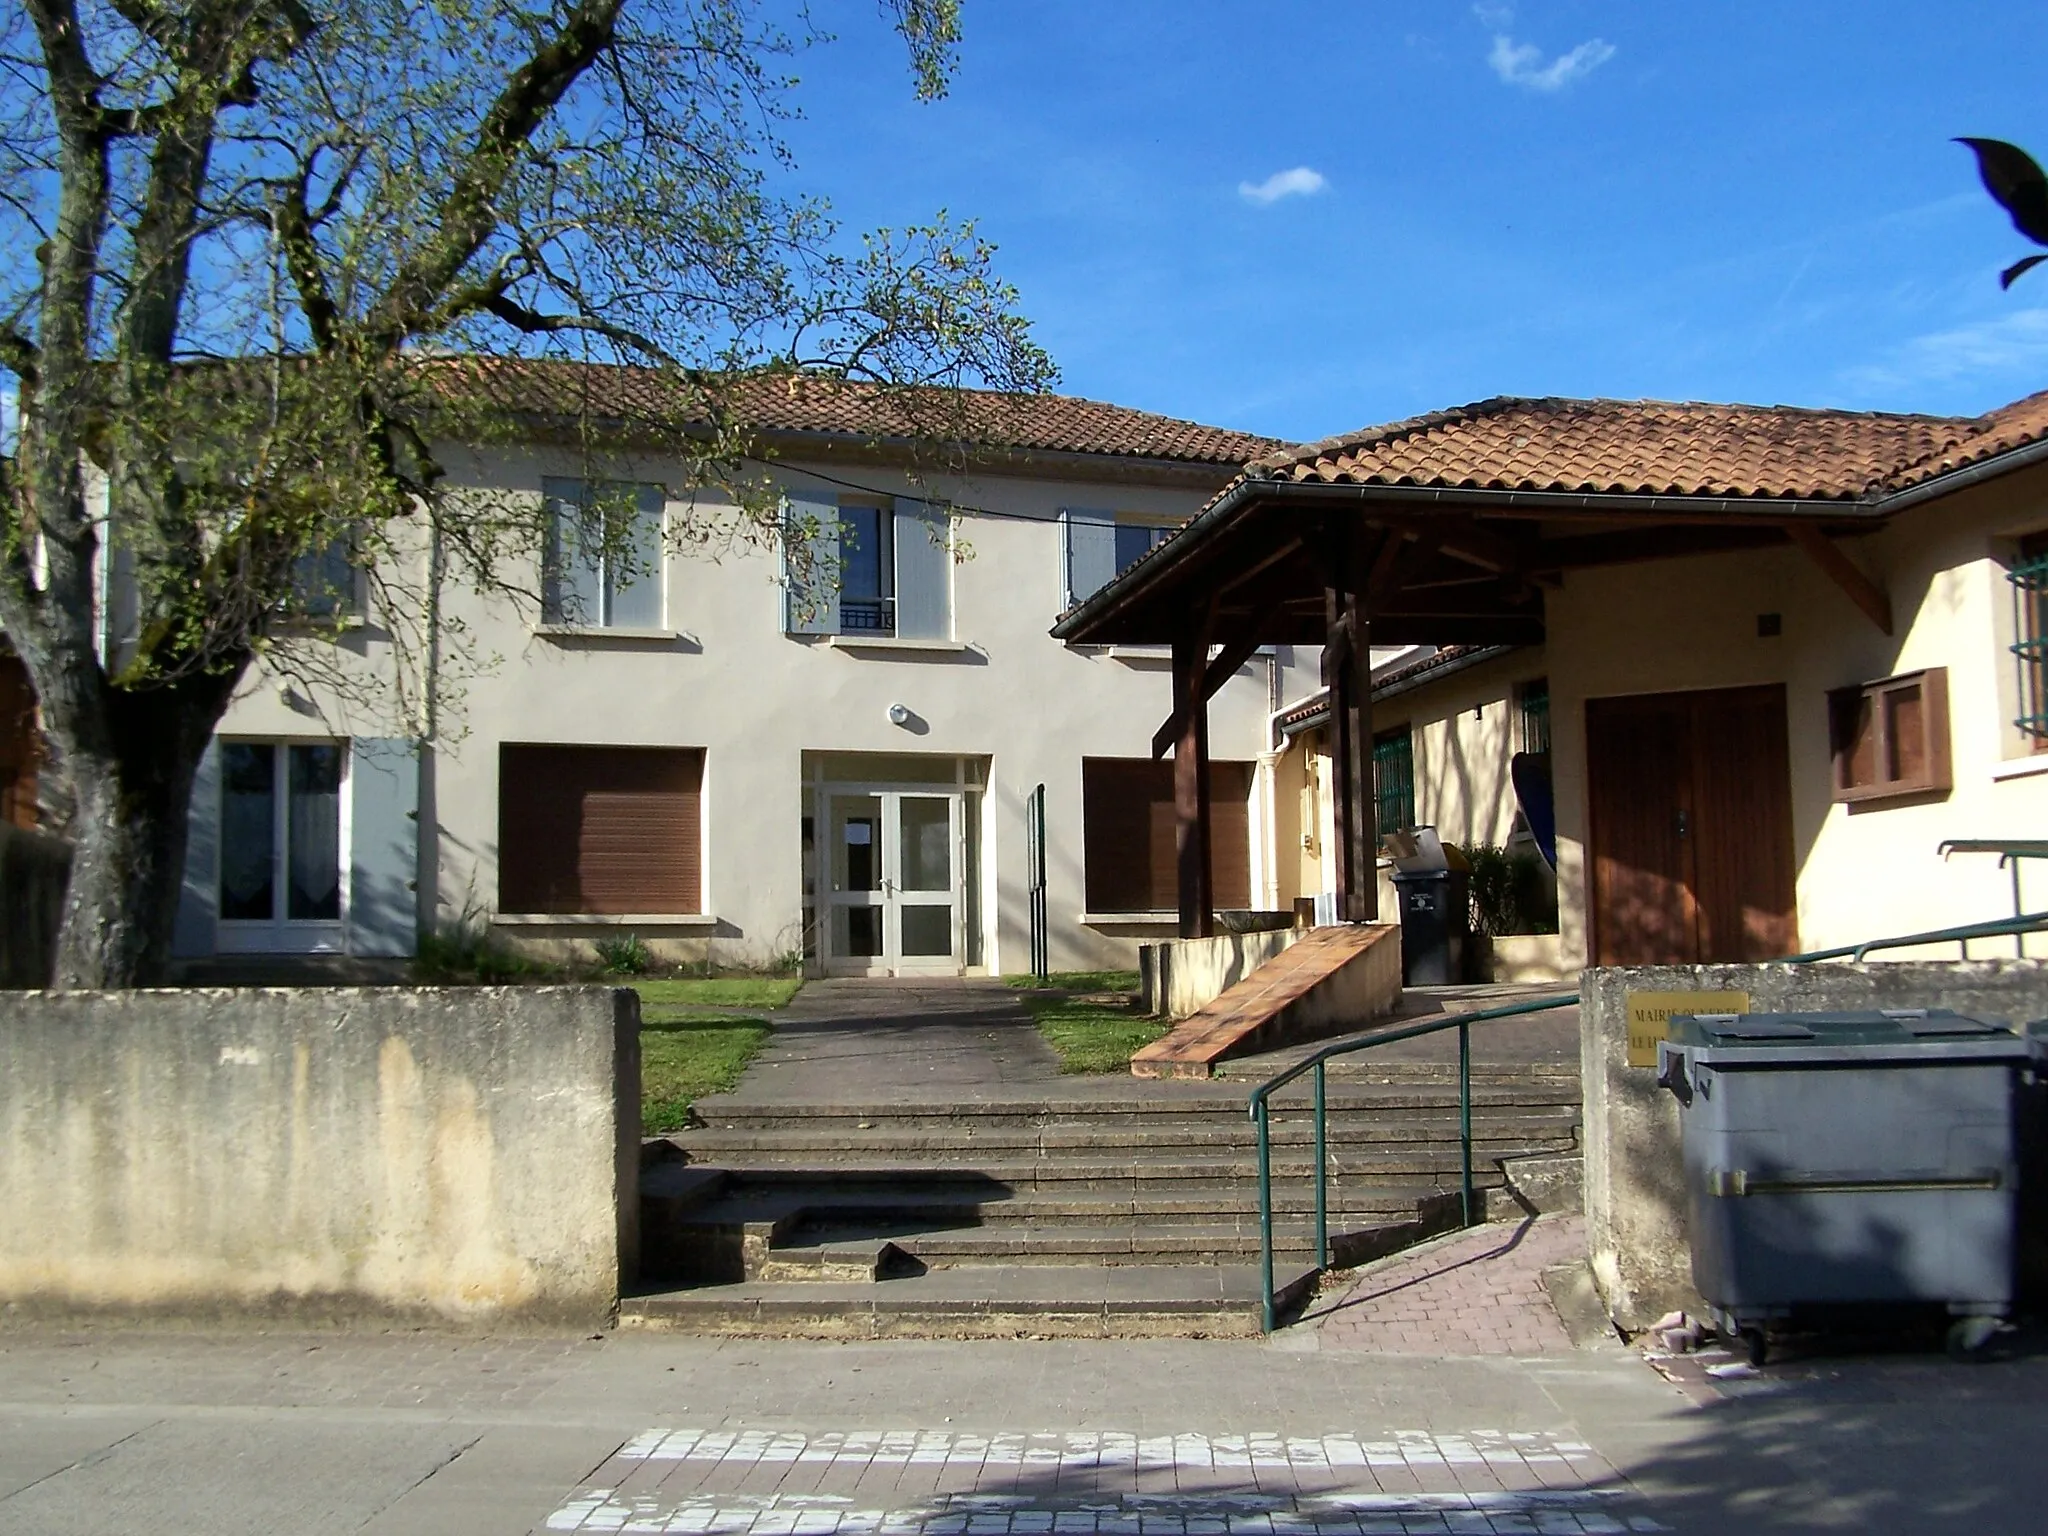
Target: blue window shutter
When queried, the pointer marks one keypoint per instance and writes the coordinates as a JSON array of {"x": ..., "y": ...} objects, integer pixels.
[
  {"x": 1091, "y": 552},
  {"x": 636, "y": 599},
  {"x": 810, "y": 563},
  {"x": 192, "y": 934},
  {"x": 384, "y": 827},
  {"x": 924, "y": 572}
]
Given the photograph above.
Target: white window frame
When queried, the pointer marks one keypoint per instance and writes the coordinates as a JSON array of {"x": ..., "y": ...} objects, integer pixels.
[{"x": 651, "y": 503}]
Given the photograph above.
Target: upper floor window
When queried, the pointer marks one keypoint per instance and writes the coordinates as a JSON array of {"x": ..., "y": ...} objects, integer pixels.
[
  {"x": 867, "y": 568},
  {"x": 1099, "y": 546},
  {"x": 325, "y": 582},
  {"x": 2029, "y": 578},
  {"x": 601, "y": 557}
]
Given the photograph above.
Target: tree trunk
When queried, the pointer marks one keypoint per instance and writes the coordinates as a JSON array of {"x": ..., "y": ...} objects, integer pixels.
[{"x": 128, "y": 832}]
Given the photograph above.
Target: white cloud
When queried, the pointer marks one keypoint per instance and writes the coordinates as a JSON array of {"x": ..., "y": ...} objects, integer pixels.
[
  {"x": 1494, "y": 14},
  {"x": 2012, "y": 347},
  {"x": 1522, "y": 63},
  {"x": 1299, "y": 182}
]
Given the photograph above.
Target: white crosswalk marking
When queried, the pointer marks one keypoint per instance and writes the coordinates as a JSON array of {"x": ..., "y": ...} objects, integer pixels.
[
  {"x": 1476, "y": 1483},
  {"x": 1473, "y": 1448}
]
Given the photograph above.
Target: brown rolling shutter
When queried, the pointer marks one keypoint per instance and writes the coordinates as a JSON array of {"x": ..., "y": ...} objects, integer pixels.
[
  {"x": 1128, "y": 829},
  {"x": 600, "y": 829}
]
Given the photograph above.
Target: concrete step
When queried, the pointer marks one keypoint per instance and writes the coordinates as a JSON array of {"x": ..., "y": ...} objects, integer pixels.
[
  {"x": 1545, "y": 1091},
  {"x": 915, "y": 1210},
  {"x": 997, "y": 1301},
  {"x": 997, "y": 1177},
  {"x": 720, "y": 1145},
  {"x": 1138, "y": 1243}
]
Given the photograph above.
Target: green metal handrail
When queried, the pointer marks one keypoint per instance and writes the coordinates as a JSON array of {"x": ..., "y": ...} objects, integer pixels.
[
  {"x": 1261, "y": 1109},
  {"x": 1261, "y": 1112}
]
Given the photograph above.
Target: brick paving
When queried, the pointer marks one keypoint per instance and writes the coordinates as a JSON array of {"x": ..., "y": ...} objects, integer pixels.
[
  {"x": 939, "y": 1483},
  {"x": 1478, "y": 1292}
]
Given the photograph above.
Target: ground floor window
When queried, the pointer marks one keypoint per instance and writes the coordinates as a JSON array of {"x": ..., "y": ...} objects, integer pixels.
[
  {"x": 1393, "y": 777},
  {"x": 600, "y": 829},
  {"x": 280, "y": 831},
  {"x": 1129, "y": 849},
  {"x": 1532, "y": 700}
]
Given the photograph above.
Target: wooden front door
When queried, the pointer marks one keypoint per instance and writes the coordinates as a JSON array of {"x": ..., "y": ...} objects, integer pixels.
[{"x": 1690, "y": 852}]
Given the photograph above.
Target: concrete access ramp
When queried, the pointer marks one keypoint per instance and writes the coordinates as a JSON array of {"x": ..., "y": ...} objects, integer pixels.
[{"x": 1340, "y": 977}]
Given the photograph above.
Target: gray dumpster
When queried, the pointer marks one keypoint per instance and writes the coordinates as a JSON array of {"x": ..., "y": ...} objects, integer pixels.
[{"x": 1847, "y": 1158}]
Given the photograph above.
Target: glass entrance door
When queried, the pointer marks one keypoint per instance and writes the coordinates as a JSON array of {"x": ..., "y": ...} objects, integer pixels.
[{"x": 892, "y": 877}]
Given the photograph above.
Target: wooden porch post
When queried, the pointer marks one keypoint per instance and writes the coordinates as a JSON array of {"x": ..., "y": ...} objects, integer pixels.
[
  {"x": 1347, "y": 669},
  {"x": 1191, "y": 783}
]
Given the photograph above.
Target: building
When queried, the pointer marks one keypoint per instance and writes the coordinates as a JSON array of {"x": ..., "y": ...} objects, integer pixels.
[
  {"x": 827, "y": 744},
  {"x": 1772, "y": 659}
]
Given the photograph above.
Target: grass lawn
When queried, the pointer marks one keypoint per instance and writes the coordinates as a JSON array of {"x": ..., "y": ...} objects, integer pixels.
[
  {"x": 1080, "y": 981},
  {"x": 1089, "y": 1034},
  {"x": 712, "y": 992},
  {"x": 683, "y": 1055}
]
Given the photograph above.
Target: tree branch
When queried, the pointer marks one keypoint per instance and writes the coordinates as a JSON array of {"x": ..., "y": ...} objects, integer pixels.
[
  {"x": 533, "y": 323},
  {"x": 468, "y": 215}
]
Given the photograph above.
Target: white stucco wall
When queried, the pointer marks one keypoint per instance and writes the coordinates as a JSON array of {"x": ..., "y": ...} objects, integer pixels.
[
  {"x": 1867, "y": 871},
  {"x": 756, "y": 700},
  {"x": 1863, "y": 872}
]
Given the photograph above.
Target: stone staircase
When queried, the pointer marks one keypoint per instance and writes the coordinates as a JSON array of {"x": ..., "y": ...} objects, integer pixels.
[{"x": 1100, "y": 1207}]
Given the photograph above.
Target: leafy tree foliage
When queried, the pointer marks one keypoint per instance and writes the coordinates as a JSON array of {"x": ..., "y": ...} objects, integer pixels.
[{"x": 250, "y": 254}]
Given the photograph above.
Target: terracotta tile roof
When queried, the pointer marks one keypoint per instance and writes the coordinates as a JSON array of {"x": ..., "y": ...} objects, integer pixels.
[
  {"x": 811, "y": 404},
  {"x": 1639, "y": 447},
  {"x": 2000, "y": 431}
]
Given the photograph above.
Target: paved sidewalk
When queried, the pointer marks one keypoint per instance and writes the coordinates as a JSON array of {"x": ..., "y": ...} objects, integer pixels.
[
  {"x": 1477, "y": 1292},
  {"x": 859, "y": 1041}
]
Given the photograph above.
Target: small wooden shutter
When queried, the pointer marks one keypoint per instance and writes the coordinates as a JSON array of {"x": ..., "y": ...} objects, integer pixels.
[
  {"x": 600, "y": 829},
  {"x": 1128, "y": 834}
]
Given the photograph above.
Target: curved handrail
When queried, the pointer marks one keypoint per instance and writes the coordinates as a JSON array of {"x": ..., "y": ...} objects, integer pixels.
[{"x": 1261, "y": 1110}]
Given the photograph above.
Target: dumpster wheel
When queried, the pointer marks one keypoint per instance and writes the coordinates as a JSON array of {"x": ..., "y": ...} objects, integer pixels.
[{"x": 1756, "y": 1345}]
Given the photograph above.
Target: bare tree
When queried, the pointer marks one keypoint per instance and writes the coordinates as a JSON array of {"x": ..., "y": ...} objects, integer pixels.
[{"x": 254, "y": 256}]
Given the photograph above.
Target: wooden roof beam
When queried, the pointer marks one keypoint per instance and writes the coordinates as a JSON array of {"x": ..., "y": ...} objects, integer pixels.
[{"x": 1844, "y": 573}]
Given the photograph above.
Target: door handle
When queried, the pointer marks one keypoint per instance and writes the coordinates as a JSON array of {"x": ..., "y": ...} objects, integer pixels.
[{"x": 1684, "y": 828}]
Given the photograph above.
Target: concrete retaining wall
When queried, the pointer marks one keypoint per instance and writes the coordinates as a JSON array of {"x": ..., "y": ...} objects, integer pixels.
[
  {"x": 1635, "y": 1195},
  {"x": 461, "y": 1155},
  {"x": 34, "y": 868},
  {"x": 1183, "y": 976}
]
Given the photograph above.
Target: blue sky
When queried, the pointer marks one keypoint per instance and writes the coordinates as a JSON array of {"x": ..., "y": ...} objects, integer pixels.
[{"x": 1721, "y": 200}]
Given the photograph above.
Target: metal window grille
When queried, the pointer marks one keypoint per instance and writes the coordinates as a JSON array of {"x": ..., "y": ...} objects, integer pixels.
[
  {"x": 1536, "y": 715},
  {"x": 1393, "y": 773},
  {"x": 2029, "y": 578}
]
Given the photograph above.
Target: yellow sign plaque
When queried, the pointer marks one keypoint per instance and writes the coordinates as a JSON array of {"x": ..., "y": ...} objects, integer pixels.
[{"x": 1650, "y": 1012}]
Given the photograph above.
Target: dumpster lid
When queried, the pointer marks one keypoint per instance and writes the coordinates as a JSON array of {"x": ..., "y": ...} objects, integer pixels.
[{"x": 1922, "y": 1028}]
